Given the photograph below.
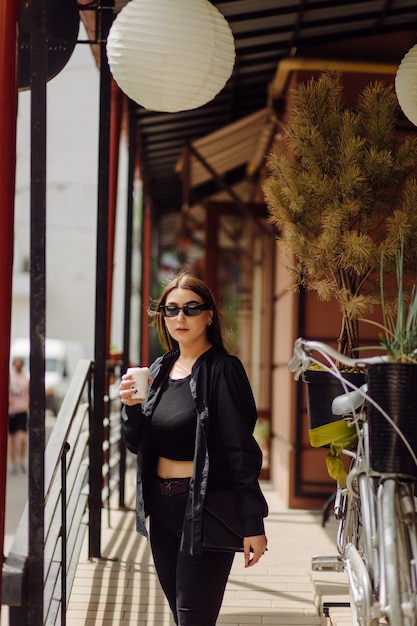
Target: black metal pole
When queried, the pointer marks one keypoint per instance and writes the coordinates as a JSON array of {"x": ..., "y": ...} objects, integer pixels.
[
  {"x": 36, "y": 485},
  {"x": 101, "y": 313},
  {"x": 64, "y": 534},
  {"x": 128, "y": 275}
]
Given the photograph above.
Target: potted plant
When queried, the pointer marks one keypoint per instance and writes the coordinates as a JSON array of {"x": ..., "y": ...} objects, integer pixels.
[
  {"x": 392, "y": 386},
  {"x": 341, "y": 194}
]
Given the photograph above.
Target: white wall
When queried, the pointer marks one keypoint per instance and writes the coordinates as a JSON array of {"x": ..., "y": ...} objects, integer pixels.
[{"x": 72, "y": 163}]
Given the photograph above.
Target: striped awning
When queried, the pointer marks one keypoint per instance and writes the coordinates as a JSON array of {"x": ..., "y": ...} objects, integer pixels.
[{"x": 244, "y": 142}]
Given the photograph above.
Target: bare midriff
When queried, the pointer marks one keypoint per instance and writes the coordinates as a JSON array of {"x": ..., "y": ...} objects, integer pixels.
[{"x": 168, "y": 468}]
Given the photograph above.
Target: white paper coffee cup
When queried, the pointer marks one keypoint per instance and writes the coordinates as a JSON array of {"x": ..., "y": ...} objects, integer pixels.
[{"x": 141, "y": 378}]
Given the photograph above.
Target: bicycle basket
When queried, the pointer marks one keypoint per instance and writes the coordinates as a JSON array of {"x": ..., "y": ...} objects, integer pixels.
[
  {"x": 321, "y": 389},
  {"x": 394, "y": 387}
]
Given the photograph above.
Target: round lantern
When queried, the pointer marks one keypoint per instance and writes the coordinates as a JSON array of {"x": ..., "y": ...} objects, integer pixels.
[
  {"x": 406, "y": 85},
  {"x": 170, "y": 55}
]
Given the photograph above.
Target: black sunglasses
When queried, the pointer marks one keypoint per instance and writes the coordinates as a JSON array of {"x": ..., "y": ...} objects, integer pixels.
[{"x": 190, "y": 310}]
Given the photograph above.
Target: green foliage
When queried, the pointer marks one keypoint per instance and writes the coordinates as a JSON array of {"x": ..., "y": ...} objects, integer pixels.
[
  {"x": 399, "y": 328},
  {"x": 342, "y": 193}
]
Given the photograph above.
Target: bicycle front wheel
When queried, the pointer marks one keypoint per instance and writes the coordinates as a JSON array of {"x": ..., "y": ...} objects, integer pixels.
[{"x": 398, "y": 552}]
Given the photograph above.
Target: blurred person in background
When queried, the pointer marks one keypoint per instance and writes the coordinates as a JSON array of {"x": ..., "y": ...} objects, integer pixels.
[{"x": 18, "y": 416}]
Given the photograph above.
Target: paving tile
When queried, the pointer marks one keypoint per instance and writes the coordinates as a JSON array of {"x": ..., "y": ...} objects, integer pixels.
[{"x": 122, "y": 587}]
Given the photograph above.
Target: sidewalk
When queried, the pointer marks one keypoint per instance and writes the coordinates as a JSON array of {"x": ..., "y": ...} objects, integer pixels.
[{"x": 122, "y": 588}]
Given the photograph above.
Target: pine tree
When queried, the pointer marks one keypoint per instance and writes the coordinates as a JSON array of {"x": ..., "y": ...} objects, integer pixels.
[{"x": 342, "y": 194}]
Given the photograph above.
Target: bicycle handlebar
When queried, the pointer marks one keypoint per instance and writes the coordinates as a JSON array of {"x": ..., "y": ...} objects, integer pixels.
[{"x": 302, "y": 359}]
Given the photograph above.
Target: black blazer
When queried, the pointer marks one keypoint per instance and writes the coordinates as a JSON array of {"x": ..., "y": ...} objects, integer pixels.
[{"x": 226, "y": 453}]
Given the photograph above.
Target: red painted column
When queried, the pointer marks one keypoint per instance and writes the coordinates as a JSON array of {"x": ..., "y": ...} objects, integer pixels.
[{"x": 9, "y": 18}]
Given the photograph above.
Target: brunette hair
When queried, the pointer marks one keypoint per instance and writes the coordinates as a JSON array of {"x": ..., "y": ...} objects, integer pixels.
[{"x": 185, "y": 280}]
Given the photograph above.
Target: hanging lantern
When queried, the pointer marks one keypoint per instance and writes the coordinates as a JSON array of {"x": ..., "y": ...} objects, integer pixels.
[
  {"x": 170, "y": 55},
  {"x": 406, "y": 85}
]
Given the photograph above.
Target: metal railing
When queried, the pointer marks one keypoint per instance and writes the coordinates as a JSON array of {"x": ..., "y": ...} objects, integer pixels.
[{"x": 66, "y": 505}]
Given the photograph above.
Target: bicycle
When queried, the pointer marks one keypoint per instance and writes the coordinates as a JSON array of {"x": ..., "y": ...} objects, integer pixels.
[{"x": 376, "y": 511}]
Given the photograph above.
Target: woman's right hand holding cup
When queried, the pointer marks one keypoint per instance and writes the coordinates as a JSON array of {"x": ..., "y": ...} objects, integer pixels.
[{"x": 129, "y": 392}]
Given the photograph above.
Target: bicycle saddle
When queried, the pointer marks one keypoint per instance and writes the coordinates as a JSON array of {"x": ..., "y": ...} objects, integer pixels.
[{"x": 350, "y": 401}]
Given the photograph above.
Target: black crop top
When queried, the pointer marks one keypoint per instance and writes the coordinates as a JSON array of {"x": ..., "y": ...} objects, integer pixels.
[{"x": 173, "y": 424}]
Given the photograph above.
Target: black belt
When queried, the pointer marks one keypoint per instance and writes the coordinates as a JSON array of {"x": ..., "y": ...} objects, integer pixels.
[{"x": 173, "y": 486}]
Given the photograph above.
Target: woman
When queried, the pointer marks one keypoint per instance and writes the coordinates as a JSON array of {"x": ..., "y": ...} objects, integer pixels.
[{"x": 193, "y": 433}]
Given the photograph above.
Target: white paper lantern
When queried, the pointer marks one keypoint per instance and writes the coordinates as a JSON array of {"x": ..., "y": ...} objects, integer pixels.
[
  {"x": 170, "y": 55},
  {"x": 406, "y": 85}
]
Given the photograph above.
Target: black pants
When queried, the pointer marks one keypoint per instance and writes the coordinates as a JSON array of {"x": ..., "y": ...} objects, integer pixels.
[{"x": 194, "y": 585}]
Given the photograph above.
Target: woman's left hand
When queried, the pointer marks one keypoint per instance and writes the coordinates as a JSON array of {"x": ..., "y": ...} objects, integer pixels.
[{"x": 254, "y": 548}]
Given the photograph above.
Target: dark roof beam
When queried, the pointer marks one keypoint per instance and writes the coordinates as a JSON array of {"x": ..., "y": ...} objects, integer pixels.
[
  {"x": 233, "y": 10},
  {"x": 240, "y": 204}
]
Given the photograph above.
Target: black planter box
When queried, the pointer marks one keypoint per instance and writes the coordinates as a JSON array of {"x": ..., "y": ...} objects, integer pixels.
[{"x": 321, "y": 389}]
